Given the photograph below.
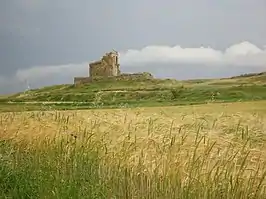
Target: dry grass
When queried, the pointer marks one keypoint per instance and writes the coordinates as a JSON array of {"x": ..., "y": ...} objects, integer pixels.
[{"x": 206, "y": 151}]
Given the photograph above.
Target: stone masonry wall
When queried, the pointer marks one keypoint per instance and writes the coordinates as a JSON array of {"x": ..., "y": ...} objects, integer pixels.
[
  {"x": 107, "y": 66},
  {"x": 82, "y": 80},
  {"x": 108, "y": 69},
  {"x": 127, "y": 77},
  {"x": 100, "y": 69}
]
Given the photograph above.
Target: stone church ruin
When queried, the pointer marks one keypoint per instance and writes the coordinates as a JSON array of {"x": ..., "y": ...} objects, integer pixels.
[{"x": 108, "y": 68}]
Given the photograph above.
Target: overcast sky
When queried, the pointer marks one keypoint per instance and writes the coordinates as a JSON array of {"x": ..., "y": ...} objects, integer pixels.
[{"x": 49, "y": 42}]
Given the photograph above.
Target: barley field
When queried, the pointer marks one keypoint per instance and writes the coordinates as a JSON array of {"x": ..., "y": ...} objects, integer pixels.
[{"x": 202, "y": 151}]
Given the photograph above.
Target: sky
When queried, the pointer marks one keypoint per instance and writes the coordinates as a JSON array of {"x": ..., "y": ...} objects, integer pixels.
[{"x": 46, "y": 42}]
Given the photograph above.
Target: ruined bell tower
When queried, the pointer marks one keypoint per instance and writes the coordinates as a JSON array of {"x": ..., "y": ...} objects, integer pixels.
[{"x": 106, "y": 67}]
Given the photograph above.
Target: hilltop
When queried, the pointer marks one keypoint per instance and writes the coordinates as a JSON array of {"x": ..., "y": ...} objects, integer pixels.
[{"x": 144, "y": 92}]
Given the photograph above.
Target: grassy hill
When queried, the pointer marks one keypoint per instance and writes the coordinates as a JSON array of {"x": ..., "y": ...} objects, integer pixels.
[{"x": 142, "y": 93}]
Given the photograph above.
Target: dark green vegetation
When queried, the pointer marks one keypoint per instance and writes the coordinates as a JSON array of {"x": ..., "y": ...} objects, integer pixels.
[{"x": 155, "y": 92}]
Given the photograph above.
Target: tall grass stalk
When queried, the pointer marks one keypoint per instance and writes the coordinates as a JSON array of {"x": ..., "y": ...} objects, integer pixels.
[{"x": 84, "y": 160}]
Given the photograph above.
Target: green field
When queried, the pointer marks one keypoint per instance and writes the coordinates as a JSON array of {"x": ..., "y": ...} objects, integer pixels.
[
  {"x": 135, "y": 144},
  {"x": 157, "y": 92}
]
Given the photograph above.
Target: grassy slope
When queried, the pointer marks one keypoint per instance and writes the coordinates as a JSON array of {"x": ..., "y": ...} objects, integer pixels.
[{"x": 142, "y": 93}]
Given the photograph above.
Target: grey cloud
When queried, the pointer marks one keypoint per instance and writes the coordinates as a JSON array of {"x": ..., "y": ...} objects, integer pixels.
[
  {"x": 52, "y": 33},
  {"x": 59, "y": 32},
  {"x": 162, "y": 61}
]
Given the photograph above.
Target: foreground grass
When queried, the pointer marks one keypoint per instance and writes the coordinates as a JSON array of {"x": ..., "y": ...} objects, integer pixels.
[{"x": 210, "y": 151}]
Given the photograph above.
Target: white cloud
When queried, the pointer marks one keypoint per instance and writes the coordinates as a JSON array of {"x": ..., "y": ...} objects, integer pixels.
[
  {"x": 162, "y": 61},
  {"x": 238, "y": 54},
  {"x": 245, "y": 54},
  {"x": 243, "y": 49},
  {"x": 50, "y": 72},
  {"x": 166, "y": 54}
]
